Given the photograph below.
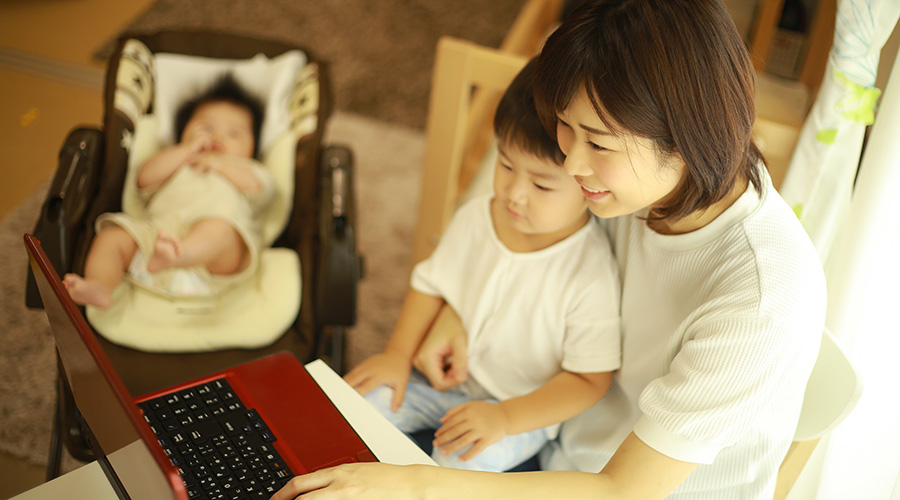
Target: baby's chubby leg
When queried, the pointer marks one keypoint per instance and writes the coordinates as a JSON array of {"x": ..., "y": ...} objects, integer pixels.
[
  {"x": 213, "y": 243},
  {"x": 107, "y": 260},
  {"x": 165, "y": 252}
]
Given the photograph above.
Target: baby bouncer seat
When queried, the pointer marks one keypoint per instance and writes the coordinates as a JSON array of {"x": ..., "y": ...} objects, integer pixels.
[{"x": 303, "y": 293}]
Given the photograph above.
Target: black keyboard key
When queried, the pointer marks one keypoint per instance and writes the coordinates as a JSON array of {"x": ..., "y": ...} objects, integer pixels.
[
  {"x": 222, "y": 450},
  {"x": 170, "y": 425}
]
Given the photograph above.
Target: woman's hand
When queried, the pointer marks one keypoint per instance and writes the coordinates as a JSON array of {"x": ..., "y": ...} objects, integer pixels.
[
  {"x": 372, "y": 481},
  {"x": 476, "y": 423},
  {"x": 386, "y": 368},
  {"x": 442, "y": 355}
]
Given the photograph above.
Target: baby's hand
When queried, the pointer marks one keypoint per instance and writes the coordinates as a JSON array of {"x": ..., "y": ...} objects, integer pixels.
[
  {"x": 199, "y": 144},
  {"x": 209, "y": 161},
  {"x": 194, "y": 149},
  {"x": 476, "y": 423},
  {"x": 386, "y": 368}
]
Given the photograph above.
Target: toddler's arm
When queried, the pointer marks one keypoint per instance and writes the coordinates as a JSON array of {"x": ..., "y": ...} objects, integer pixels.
[
  {"x": 392, "y": 367},
  {"x": 482, "y": 424}
]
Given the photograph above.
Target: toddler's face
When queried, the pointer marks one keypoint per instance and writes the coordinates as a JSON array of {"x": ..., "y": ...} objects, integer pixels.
[
  {"x": 538, "y": 196},
  {"x": 226, "y": 126}
]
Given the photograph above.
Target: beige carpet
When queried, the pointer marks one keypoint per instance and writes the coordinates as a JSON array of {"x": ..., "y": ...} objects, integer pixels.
[
  {"x": 380, "y": 52},
  {"x": 388, "y": 159}
]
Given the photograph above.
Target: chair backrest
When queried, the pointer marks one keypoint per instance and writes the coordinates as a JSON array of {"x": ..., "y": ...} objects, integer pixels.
[
  {"x": 833, "y": 389},
  {"x": 467, "y": 83},
  {"x": 818, "y": 44},
  {"x": 455, "y": 132}
]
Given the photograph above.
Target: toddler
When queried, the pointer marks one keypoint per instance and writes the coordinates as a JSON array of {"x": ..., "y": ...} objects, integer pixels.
[{"x": 532, "y": 278}]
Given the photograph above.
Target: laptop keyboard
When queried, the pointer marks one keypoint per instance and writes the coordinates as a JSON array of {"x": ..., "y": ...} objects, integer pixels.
[{"x": 222, "y": 449}]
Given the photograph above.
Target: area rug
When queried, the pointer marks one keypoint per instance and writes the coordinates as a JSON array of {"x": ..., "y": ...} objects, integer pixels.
[
  {"x": 381, "y": 53},
  {"x": 388, "y": 159}
]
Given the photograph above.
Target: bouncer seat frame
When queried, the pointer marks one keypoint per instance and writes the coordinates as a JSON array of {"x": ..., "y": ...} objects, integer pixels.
[{"x": 320, "y": 226}]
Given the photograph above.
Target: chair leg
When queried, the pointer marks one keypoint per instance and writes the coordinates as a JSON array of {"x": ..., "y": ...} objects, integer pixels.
[
  {"x": 54, "y": 459},
  {"x": 337, "y": 349},
  {"x": 330, "y": 347},
  {"x": 71, "y": 432}
]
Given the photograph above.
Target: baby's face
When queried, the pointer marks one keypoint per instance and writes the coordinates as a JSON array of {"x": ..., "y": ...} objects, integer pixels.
[{"x": 226, "y": 126}]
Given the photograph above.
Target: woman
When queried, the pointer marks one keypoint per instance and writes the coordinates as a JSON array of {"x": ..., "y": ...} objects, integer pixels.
[{"x": 723, "y": 296}]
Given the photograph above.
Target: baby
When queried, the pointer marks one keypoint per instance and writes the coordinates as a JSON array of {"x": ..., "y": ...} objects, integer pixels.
[{"x": 204, "y": 198}]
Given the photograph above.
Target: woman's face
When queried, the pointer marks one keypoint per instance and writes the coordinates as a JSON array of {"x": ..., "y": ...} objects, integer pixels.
[{"x": 618, "y": 174}]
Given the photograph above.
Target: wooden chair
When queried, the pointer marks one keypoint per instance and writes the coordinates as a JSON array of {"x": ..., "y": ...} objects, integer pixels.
[
  {"x": 831, "y": 394},
  {"x": 467, "y": 83},
  {"x": 454, "y": 122},
  {"x": 819, "y": 42}
]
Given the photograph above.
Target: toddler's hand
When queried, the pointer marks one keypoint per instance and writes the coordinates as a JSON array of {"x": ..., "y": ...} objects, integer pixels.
[
  {"x": 476, "y": 423},
  {"x": 386, "y": 368}
]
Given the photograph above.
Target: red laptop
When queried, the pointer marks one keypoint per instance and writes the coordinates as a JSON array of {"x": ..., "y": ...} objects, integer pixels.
[{"x": 240, "y": 433}]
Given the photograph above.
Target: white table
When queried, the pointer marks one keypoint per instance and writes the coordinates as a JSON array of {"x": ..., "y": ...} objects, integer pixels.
[{"x": 385, "y": 441}]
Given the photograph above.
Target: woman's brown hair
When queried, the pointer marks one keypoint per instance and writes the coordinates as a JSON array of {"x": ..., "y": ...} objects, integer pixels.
[{"x": 674, "y": 71}]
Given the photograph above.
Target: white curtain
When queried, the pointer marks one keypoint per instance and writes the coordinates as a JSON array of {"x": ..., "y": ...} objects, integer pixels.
[
  {"x": 856, "y": 229},
  {"x": 819, "y": 180}
]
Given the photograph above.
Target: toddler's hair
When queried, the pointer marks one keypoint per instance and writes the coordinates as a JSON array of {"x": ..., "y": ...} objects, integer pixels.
[
  {"x": 516, "y": 122},
  {"x": 225, "y": 89}
]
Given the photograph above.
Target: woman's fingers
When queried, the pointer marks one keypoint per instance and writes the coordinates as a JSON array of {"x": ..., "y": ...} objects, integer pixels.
[
  {"x": 304, "y": 484},
  {"x": 374, "y": 481}
]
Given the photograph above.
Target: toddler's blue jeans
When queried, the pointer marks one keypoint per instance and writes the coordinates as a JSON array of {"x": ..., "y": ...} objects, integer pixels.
[{"x": 422, "y": 408}]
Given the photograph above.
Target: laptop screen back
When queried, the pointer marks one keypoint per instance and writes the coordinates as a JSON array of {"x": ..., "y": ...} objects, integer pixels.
[{"x": 141, "y": 470}]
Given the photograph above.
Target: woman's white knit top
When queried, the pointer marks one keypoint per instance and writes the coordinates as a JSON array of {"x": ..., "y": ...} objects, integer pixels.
[{"x": 721, "y": 328}]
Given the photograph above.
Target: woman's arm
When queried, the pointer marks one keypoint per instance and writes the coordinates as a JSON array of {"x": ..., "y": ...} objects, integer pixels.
[{"x": 635, "y": 472}]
